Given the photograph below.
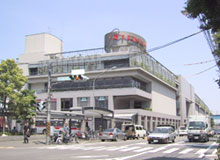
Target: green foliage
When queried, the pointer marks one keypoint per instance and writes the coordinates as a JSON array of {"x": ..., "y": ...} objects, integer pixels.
[
  {"x": 25, "y": 105},
  {"x": 212, "y": 123},
  {"x": 148, "y": 109},
  {"x": 13, "y": 98},
  {"x": 207, "y": 10}
]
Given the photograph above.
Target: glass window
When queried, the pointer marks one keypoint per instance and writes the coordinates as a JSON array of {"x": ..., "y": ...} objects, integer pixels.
[
  {"x": 101, "y": 102},
  {"x": 83, "y": 101},
  {"x": 66, "y": 104}
]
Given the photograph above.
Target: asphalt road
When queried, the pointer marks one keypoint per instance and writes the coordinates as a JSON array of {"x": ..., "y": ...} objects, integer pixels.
[{"x": 121, "y": 150}]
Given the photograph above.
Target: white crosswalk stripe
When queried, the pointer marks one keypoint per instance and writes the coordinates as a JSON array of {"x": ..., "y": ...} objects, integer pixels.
[
  {"x": 117, "y": 148},
  {"x": 129, "y": 149},
  {"x": 143, "y": 149},
  {"x": 103, "y": 148},
  {"x": 201, "y": 151},
  {"x": 136, "y": 148},
  {"x": 171, "y": 150},
  {"x": 186, "y": 151},
  {"x": 157, "y": 150}
]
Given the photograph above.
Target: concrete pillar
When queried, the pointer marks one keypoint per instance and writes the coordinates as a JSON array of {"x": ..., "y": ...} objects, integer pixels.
[
  {"x": 75, "y": 102},
  {"x": 131, "y": 104},
  {"x": 139, "y": 120},
  {"x": 110, "y": 103},
  {"x": 151, "y": 123},
  {"x": 146, "y": 123},
  {"x": 113, "y": 123},
  {"x": 156, "y": 121},
  {"x": 83, "y": 126}
]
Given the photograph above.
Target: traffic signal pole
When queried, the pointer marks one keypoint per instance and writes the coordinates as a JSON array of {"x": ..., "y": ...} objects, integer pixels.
[{"x": 48, "y": 106}]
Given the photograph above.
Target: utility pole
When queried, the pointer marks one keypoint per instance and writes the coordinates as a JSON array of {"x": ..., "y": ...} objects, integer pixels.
[{"x": 48, "y": 105}]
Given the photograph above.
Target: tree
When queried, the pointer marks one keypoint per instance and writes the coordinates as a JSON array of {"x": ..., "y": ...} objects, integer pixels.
[
  {"x": 24, "y": 107},
  {"x": 207, "y": 10},
  {"x": 208, "y": 13},
  {"x": 11, "y": 83}
]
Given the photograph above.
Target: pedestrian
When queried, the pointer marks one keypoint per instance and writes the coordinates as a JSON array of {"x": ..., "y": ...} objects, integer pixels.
[
  {"x": 14, "y": 131},
  {"x": 26, "y": 133}
]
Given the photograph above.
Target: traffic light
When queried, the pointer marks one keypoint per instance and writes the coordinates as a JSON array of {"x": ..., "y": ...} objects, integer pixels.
[
  {"x": 78, "y": 77},
  {"x": 41, "y": 106}
]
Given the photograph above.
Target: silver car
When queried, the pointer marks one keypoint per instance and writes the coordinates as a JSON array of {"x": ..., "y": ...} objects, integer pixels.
[
  {"x": 112, "y": 134},
  {"x": 163, "y": 134}
]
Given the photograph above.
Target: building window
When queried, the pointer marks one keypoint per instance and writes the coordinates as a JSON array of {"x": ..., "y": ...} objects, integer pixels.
[
  {"x": 101, "y": 102},
  {"x": 66, "y": 104},
  {"x": 83, "y": 101},
  {"x": 137, "y": 104}
]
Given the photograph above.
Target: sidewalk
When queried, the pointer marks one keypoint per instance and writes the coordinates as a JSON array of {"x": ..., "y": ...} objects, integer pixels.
[
  {"x": 34, "y": 140},
  {"x": 21, "y": 138}
]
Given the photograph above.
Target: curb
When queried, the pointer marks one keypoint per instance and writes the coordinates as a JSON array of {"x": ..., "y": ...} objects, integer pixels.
[{"x": 20, "y": 138}]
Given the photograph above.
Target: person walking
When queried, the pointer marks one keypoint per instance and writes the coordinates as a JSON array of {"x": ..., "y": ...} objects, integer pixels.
[{"x": 26, "y": 132}]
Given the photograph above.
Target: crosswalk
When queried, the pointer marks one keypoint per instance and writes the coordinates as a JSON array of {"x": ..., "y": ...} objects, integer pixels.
[{"x": 136, "y": 148}]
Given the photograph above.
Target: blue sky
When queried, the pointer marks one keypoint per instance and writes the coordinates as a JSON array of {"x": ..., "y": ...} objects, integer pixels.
[{"x": 83, "y": 24}]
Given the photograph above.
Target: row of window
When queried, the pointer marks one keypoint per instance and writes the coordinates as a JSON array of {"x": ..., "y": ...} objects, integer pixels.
[
  {"x": 67, "y": 103},
  {"x": 103, "y": 83}
]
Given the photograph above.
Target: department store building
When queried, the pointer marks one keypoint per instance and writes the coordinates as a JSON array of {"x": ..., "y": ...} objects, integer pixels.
[{"x": 125, "y": 85}]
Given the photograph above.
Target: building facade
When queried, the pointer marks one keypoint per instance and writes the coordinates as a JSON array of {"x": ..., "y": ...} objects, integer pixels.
[{"x": 125, "y": 83}]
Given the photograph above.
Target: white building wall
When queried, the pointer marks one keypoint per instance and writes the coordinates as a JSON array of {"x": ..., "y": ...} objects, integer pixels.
[
  {"x": 37, "y": 45},
  {"x": 163, "y": 99},
  {"x": 38, "y": 87}
]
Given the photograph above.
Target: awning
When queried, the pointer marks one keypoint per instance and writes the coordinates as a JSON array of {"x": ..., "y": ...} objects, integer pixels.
[
  {"x": 61, "y": 114},
  {"x": 127, "y": 116},
  {"x": 97, "y": 112}
]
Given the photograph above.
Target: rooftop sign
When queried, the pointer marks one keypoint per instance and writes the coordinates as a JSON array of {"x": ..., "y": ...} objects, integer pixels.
[{"x": 116, "y": 40}]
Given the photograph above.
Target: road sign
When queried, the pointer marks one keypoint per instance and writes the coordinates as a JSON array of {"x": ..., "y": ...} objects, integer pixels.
[{"x": 63, "y": 78}]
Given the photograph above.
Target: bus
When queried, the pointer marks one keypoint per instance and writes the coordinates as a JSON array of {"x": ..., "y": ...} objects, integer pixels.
[{"x": 41, "y": 126}]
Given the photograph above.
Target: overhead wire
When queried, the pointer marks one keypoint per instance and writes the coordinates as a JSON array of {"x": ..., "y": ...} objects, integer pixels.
[
  {"x": 203, "y": 71},
  {"x": 173, "y": 42},
  {"x": 199, "y": 62}
]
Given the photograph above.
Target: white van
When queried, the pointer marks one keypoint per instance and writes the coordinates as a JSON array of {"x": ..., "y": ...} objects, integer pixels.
[
  {"x": 182, "y": 131},
  {"x": 134, "y": 131}
]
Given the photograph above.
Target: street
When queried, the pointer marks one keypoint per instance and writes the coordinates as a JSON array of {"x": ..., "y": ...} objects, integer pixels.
[{"x": 121, "y": 150}]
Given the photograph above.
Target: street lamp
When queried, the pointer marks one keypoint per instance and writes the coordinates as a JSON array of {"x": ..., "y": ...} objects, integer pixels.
[{"x": 93, "y": 89}]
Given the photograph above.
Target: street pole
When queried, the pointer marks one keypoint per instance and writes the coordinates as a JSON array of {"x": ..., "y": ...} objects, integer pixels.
[
  {"x": 48, "y": 105},
  {"x": 93, "y": 89}
]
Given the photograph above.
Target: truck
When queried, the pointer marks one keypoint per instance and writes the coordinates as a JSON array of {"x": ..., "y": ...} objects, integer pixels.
[{"x": 199, "y": 128}]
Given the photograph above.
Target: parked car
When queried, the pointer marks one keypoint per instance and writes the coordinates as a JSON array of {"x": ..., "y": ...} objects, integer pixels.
[
  {"x": 112, "y": 134},
  {"x": 135, "y": 131},
  {"x": 162, "y": 134},
  {"x": 217, "y": 131},
  {"x": 182, "y": 131}
]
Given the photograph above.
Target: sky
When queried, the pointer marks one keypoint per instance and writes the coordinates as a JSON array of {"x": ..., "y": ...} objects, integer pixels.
[{"x": 83, "y": 25}]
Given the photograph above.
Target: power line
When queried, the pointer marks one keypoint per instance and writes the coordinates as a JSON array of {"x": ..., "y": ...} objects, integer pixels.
[
  {"x": 199, "y": 62},
  {"x": 173, "y": 42},
  {"x": 203, "y": 71}
]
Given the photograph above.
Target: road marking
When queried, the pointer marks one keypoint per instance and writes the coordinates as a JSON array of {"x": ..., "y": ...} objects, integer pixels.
[
  {"x": 171, "y": 150},
  {"x": 117, "y": 148},
  {"x": 203, "y": 151},
  {"x": 141, "y": 143},
  {"x": 157, "y": 150},
  {"x": 186, "y": 151},
  {"x": 143, "y": 149},
  {"x": 128, "y": 149},
  {"x": 103, "y": 148},
  {"x": 86, "y": 157},
  {"x": 4, "y": 147}
]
